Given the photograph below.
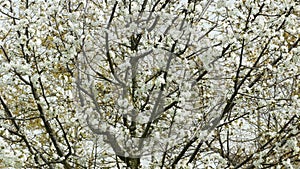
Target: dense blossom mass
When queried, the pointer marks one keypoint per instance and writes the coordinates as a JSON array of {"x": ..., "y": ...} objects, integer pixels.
[{"x": 149, "y": 84}]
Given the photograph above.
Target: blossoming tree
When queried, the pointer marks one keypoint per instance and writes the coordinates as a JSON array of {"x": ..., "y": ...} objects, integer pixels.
[{"x": 149, "y": 84}]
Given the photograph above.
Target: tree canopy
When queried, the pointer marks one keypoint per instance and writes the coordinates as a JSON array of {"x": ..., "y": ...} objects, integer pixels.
[{"x": 149, "y": 84}]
